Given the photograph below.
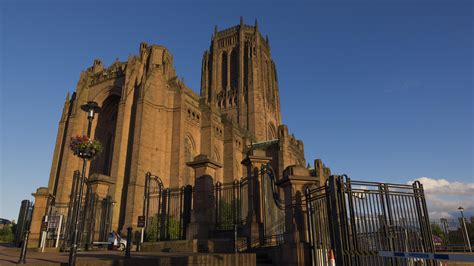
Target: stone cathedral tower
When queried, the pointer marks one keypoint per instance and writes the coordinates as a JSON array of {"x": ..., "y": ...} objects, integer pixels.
[{"x": 239, "y": 78}]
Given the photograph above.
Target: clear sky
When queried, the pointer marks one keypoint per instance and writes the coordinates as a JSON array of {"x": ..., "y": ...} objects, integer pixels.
[{"x": 380, "y": 90}]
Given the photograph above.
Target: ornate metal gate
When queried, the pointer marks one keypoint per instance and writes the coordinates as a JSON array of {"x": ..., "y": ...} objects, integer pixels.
[
  {"x": 228, "y": 204},
  {"x": 167, "y": 211},
  {"x": 95, "y": 216},
  {"x": 273, "y": 208},
  {"x": 357, "y": 219}
]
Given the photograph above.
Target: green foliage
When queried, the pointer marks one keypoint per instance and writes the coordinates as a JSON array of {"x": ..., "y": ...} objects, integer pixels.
[
  {"x": 154, "y": 229},
  {"x": 6, "y": 234},
  {"x": 85, "y": 147},
  {"x": 437, "y": 231},
  {"x": 226, "y": 214}
]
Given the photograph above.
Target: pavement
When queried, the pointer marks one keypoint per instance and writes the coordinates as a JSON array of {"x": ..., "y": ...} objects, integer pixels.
[{"x": 11, "y": 255}]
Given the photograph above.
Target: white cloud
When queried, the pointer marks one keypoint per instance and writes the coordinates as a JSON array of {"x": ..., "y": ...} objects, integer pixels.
[{"x": 444, "y": 197}]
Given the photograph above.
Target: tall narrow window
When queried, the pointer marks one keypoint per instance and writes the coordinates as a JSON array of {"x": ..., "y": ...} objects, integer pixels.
[
  {"x": 234, "y": 69},
  {"x": 105, "y": 132},
  {"x": 224, "y": 70},
  {"x": 188, "y": 157},
  {"x": 209, "y": 78},
  {"x": 246, "y": 65},
  {"x": 268, "y": 81}
]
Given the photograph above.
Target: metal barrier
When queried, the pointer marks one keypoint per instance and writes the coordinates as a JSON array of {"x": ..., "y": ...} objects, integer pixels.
[
  {"x": 273, "y": 208},
  {"x": 358, "y": 219},
  {"x": 450, "y": 235},
  {"x": 167, "y": 211},
  {"x": 228, "y": 205},
  {"x": 95, "y": 216}
]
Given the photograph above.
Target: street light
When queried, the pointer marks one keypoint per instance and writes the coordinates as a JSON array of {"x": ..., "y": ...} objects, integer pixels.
[
  {"x": 90, "y": 108},
  {"x": 466, "y": 235}
]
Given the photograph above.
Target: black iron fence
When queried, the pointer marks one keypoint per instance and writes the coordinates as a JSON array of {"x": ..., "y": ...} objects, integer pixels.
[
  {"x": 167, "y": 211},
  {"x": 273, "y": 208},
  {"x": 97, "y": 219},
  {"x": 228, "y": 204},
  {"x": 451, "y": 235},
  {"x": 358, "y": 219},
  {"x": 94, "y": 219}
]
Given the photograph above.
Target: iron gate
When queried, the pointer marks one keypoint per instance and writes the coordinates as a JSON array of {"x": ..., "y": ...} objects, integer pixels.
[
  {"x": 357, "y": 219},
  {"x": 167, "y": 211},
  {"x": 95, "y": 216},
  {"x": 273, "y": 208},
  {"x": 228, "y": 204}
]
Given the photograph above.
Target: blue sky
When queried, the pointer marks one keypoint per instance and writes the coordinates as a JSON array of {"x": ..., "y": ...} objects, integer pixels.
[{"x": 380, "y": 90}]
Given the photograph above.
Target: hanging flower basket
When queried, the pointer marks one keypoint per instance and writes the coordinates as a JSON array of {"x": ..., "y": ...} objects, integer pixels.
[{"x": 84, "y": 147}]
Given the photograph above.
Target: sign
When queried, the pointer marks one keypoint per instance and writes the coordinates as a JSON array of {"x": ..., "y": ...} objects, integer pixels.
[
  {"x": 141, "y": 221},
  {"x": 53, "y": 222},
  {"x": 44, "y": 226}
]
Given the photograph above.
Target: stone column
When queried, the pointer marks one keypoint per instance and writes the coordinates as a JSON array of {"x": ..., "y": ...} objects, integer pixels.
[
  {"x": 40, "y": 208},
  {"x": 253, "y": 162},
  {"x": 100, "y": 185},
  {"x": 296, "y": 248},
  {"x": 203, "y": 214}
]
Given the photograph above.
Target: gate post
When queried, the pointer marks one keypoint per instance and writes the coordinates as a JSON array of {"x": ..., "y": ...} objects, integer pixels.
[
  {"x": 296, "y": 248},
  {"x": 203, "y": 213},
  {"x": 254, "y": 160},
  {"x": 334, "y": 218},
  {"x": 39, "y": 210}
]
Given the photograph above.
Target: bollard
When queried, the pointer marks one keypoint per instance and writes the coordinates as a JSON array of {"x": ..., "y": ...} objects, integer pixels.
[
  {"x": 236, "y": 248},
  {"x": 138, "y": 241},
  {"x": 24, "y": 247},
  {"x": 332, "y": 261},
  {"x": 129, "y": 242}
]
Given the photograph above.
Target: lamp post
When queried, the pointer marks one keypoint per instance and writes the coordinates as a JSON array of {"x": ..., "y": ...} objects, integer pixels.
[
  {"x": 90, "y": 108},
  {"x": 466, "y": 235}
]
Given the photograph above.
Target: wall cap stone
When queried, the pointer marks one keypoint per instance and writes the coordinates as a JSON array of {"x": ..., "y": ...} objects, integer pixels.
[
  {"x": 100, "y": 179},
  {"x": 41, "y": 191},
  {"x": 203, "y": 161},
  {"x": 296, "y": 174}
]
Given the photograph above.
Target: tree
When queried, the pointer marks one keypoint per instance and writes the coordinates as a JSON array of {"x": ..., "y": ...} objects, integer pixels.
[
  {"x": 437, "y": 231},
  {"x": 6, "y": 234}
]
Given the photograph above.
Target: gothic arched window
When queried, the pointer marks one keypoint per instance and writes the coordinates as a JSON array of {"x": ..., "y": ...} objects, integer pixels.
[
  {"x": 234, "y": 69},
  {"x": 269, "y": 81},
  {"x": 224, "y": 70},
  {"x": 188, "y": 157},
  {"x": 271, "y": 134},
  {"x": 105, "y": 133}
]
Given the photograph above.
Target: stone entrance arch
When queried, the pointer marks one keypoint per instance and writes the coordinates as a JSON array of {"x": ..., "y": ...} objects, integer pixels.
[{"x": 105, "y": 133}]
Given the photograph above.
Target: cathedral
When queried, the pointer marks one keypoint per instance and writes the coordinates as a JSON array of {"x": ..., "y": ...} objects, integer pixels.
[
  {"x": 150, "y": 121},
  {"x": 228, "y": 176}
]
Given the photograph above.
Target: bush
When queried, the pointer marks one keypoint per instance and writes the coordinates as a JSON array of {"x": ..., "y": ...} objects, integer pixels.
[
  {"x": 154, "y": 227},
  {"x": 6, "y": 234}
]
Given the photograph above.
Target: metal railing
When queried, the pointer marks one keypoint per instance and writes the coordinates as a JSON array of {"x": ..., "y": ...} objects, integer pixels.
[
  {"x": 167, "y": 211},
  {"x": 450, "y": 235},
  {"x": 357, "y": 219},
  {"x": 228, "y": 204}
]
